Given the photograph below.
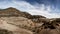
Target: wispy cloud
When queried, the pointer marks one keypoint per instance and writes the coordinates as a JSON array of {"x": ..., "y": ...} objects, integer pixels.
[{"x": 36, "y": 9}]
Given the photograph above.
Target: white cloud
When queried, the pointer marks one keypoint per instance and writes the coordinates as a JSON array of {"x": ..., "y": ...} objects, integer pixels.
[{"x": 38, "y": 9}]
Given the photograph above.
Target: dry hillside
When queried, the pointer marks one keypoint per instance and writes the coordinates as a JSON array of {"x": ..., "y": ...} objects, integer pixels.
[{"x": 13, "y": 21}]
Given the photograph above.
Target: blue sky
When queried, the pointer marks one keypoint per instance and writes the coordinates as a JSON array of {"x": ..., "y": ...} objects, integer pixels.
[{"x": 47, "y": 8}]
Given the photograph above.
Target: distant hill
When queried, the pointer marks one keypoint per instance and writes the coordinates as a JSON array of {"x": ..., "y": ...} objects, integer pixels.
[
  {"x": 12, "y": 12},
  {"x": 15, "y": 12}
]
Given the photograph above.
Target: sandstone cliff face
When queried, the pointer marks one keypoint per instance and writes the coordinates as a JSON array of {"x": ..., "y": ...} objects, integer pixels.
[
  {"x": 16, "y": 22},
  {"x": 18, "y": 25}
]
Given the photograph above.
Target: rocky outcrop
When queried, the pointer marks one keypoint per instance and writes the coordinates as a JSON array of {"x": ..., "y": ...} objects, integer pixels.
[
  {"x": 19, "y": 22},
  {"x": 18, "y": 25},
  {"x": 50, "y": 27}
]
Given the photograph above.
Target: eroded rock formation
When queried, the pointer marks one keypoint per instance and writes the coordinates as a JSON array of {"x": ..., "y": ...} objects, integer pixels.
[{"x": 18, "y": 22}]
